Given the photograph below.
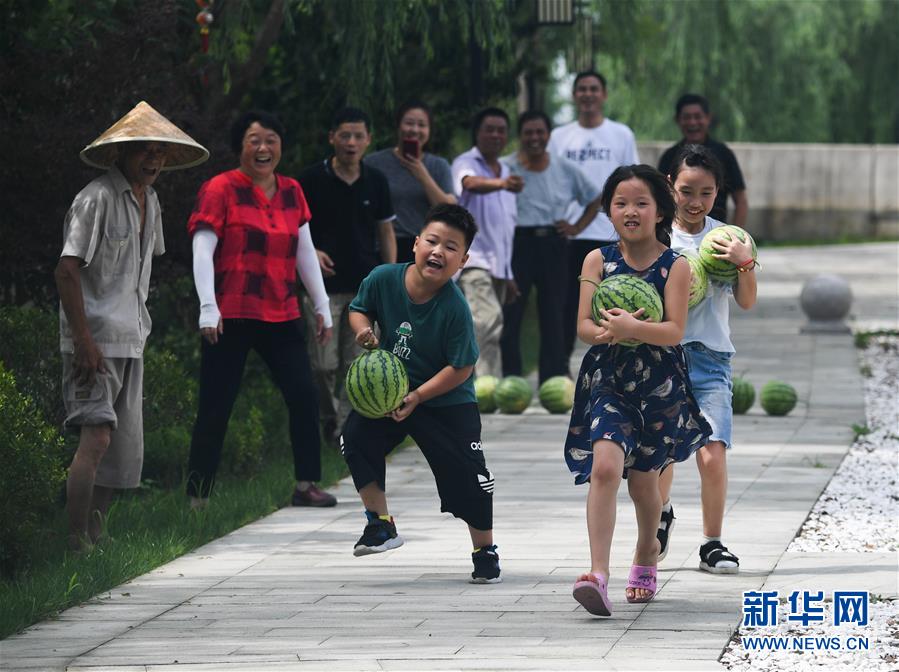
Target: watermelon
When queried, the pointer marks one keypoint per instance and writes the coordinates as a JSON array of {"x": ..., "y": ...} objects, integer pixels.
[
  {"x": 743, "y": 395},
  {"x": 513, "y": 395},
  {"x": 699, "y": 280},
  {"x": 484, "y": 387},
  {"x": 719, "y": 269},
  {"x": 777, "y": 398},
  {"x": 629, "y": 293},
  {"x": 376, "y": 383},
  {"x": 556, "y": 394}
]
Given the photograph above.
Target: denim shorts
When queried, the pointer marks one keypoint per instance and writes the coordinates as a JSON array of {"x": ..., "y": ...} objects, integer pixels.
[{"x": 712, "y": 387}]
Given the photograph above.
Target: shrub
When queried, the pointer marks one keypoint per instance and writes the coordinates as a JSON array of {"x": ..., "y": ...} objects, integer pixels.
[
  {"x": 29, "y": 349},
  {"x": 31, "y": 472}
]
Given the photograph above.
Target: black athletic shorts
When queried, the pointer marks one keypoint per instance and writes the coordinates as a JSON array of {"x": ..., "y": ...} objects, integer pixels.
[{"x": 450, "y": 439}]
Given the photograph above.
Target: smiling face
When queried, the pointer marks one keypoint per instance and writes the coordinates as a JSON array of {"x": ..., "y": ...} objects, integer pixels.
[
  {"x": 415, "y": 126},
  {"x": 694, "y": 123},
  {"x": 260, "y": 152},
  {"x": 633, "y": 211},
  {"x": 439, "y": 252},
  {"x": 694, "y": 192},
  {"x": 534, "y": 137},
  {"x": 492, "y": 136},
  {"x": 141, "y": 162},
  {"x": 589, "y": 96},
  {"x": 350, "y": 140}
]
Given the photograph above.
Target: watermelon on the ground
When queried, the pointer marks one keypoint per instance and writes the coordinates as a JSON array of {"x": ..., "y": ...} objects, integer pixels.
[
  {"x": 629, "y": 293},
  {"x": 777, "y": 398},
  {"x": 513, "y": 395},
  {"x": 743, "y": 395},
  {"x": 699, "y": 280},
  {"x": 376, "y": 383},
  {"x": 556, "y": 394},
  {"x": 484, "y": 387},
  {"x": 721, "y": 269}
]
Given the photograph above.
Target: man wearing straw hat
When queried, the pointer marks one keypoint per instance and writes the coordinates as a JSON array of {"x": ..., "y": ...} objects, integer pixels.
[{"x": 112, "y": 232}]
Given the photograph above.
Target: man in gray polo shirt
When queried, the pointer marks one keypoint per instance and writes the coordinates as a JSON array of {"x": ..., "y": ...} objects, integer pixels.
[{"x": 112, "y": 232}]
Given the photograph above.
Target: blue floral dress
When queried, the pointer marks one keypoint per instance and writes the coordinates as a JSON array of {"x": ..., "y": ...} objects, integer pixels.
[{"x": 638, "y": 397}]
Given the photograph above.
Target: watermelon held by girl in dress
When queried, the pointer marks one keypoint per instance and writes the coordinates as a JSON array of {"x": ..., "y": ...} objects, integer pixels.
[
  {"x": 376, "y": 383},
  {"x": 629, "y": 293},
  {"x": 721, "y": 269},
  {"x": 777, "y": 398},
  {"x": 743, "y": 395},
  {"x": 513, "y": 395},
  {"x": 699, "y": 280},
  {"x": 484, "y": 387},
  {"x": 556, "y": 394}
]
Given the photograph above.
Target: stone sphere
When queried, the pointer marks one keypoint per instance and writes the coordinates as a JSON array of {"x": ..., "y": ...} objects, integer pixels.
[{"x": 826, "y": 297}]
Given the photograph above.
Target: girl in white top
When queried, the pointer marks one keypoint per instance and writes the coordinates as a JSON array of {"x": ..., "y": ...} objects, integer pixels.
[{"x": 696, "y": 178}]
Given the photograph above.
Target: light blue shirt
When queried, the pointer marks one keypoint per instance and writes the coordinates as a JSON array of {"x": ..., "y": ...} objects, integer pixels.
[{"x": 547, "y": 194}]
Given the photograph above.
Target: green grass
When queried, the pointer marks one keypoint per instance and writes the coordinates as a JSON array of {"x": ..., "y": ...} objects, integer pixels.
[
  {"x": 530, "y": 336},
  {"x": 146, "y": 529}
]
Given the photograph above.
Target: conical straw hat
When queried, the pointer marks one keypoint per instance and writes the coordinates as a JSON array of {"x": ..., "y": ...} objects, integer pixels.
[{"x": 143, "y": 123}]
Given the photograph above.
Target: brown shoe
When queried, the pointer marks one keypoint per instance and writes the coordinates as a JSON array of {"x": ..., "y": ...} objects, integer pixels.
[{"x": 314, "y": 496}]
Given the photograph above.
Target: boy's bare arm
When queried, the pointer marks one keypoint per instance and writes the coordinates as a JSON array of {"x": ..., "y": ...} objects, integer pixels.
[
  {"x": 448, "y": 378},
  {"x": 361, "y": 325}
]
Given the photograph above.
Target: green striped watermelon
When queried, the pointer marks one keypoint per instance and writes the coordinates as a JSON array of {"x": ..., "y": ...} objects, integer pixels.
[
  {"x": 629, "y": 293},
  {"x": 513, "y": 395},
  {"x": 484, "y": 387},
  {"x": 720, "y": 269},
  {"x": 699, "y": 280},
  {"x": 376, "y": 383},
  {"x": 743, "y": 395},
  {"x": 556, "y": 394},
  {"x": 777, "y": 398}
]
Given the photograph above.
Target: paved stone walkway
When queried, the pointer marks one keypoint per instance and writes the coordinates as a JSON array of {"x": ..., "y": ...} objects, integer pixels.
[{"x": 285, "y": 593}]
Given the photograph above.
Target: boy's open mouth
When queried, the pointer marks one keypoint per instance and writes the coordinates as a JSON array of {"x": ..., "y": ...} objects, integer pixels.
[{"x": 434, "y": 263}]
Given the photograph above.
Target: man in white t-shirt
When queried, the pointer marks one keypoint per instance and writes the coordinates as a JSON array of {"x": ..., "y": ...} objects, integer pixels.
[{"x": 599, "y": 145}]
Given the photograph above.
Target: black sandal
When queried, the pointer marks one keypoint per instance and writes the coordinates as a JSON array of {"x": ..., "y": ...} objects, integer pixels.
[
  {"x": 663, "y": 534},
  {"x": 716, "y": 559}
]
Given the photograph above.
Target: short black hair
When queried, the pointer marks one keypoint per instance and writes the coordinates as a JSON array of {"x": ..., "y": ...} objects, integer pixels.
[
  {"x": 691, "y": 99},
  {"x": 244, "y": 121},
  {"x": 530, "y": 115},
  {"x": 350, "y": 115},
  {"x": 697, "y": 156},
  {"x": 589, "y": 73},
  {"x": 659, "y": 187},
  {"x": 413, "y": 104},
  {"x": 456, "y": 217},
  {"x": 481, "y": 116}
]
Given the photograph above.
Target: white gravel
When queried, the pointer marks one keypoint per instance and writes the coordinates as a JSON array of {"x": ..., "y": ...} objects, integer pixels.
[{"x": 857, "y": 513}]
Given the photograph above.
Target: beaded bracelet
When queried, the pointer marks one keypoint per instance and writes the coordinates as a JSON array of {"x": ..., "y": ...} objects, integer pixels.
[{"x": 742, "y": 267}]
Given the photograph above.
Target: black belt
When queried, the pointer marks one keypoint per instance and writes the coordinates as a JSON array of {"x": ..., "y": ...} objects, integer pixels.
[{"x": 538, "y": 231}]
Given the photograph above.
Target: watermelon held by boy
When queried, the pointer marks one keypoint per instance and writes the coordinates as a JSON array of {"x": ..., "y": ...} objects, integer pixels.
[
  {"x": 629, "y": 293},
  {"x": 721, "y": 269},
  {"x": 743, "y": 395},
  {"x": 376, "y": 383},
  {"x": 699, "y": 280},
  {"x": 484, "y": 387},
  {"x": 556, "y": 394},
  {"x": 777, "y": 398},
  {"x": 513, "y": 395}
]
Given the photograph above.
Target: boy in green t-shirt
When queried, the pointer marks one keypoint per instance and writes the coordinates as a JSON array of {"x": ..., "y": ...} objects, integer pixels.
[{"x": 425, "y": 321}]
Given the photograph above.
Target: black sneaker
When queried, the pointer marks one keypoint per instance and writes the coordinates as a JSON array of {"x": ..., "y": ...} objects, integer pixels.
[
  {"x": 715, "y": 558},
  {"x": 378, "y": 536},
  {"x": 486, "y": 565},
  {"x": 663, "y": 534}
]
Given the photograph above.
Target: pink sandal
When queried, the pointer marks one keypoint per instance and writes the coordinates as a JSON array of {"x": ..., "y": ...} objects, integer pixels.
[
  {"x": 593, "y": 595},
  {"x": 642, "y": 577}
]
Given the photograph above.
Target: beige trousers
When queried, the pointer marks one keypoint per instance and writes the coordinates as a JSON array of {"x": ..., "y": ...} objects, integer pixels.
[{"x": 485, "y": 295}]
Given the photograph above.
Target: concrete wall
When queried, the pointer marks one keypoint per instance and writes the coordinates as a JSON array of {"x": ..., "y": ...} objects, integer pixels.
[{"x": 808, "y": 191}]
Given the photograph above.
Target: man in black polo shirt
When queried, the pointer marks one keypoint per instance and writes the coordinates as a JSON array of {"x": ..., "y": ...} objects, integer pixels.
[
  {"x": 693, "y": 117},
  {"x": 352, "y": 229}
]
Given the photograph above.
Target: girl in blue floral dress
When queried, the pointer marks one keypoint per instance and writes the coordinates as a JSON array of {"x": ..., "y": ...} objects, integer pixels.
[{"x": 633, "y": 410}]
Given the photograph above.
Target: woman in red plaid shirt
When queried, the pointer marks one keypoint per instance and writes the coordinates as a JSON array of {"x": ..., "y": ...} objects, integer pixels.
[{"x": 250, "y": 239}]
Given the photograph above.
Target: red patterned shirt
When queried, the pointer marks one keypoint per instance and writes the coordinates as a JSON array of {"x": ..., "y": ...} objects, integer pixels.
[{"x": 255, "y": 261}]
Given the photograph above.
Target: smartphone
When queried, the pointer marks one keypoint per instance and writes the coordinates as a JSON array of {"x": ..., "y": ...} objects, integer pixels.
[{"x": 410, "y": 147}]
